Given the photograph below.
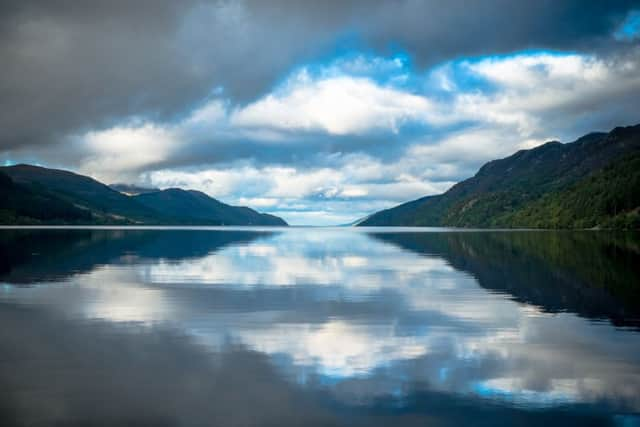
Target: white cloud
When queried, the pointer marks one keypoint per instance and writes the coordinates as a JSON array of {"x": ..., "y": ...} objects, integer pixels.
[
  {"x": 260, "y": 202},
  {"x": 338, "y": 106},
  {"x": 532, "y": 88},
  {"x": 215, "y": 182},
  {"x": 211, "y": 113},
  {"x": 122, "y": 149},
  {"x": 526, "y": 71},
  {"x": 482, "y": 144}
]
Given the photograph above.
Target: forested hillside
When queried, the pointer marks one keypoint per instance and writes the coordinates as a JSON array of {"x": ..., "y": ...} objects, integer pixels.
[{"x": 592, "y": 182}]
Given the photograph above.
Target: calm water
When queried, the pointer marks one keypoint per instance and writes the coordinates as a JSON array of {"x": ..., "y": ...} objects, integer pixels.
[{"x": 285, "y": 327}]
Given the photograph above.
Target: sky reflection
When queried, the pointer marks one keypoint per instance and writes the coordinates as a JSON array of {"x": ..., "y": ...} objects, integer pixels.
[{"x": 358, "y": 316}]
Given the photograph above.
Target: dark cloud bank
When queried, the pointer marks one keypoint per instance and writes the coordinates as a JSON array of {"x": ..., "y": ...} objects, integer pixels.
[{"x": 69, "y": 66}]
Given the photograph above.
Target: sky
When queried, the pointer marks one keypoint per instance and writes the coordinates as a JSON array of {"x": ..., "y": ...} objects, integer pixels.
[{"x": 319, "y": 112}]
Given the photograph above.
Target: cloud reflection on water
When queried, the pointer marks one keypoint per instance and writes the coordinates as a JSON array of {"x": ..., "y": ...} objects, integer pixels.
[{"x": 362, "y": 316}]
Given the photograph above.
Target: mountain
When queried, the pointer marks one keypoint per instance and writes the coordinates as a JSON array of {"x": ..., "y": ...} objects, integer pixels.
[
  {"x": 592, "y": 182},
  {"x": 106, "y": 205},
  {"x": 196, "y": 207},
  {"x": 131, "y": 190},
  {"x": 20, "y": 204},
  {"x": 33, "y": 194}
]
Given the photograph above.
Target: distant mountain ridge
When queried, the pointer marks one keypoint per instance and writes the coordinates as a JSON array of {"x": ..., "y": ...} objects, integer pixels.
[
  {"x": 592, "y": 182},
  {"x": 33, "y": 195},
  {"x": 196, "y": 207}
]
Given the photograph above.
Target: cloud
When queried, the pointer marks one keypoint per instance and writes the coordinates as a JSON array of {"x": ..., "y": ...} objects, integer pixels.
[
  {"x": 533, "y": 87},
  {"x": 337, "y": 106},
  {"x": 366, "y": 108},
  {"x": 109, "y": 61},
  {"x": 127, "y": 148}
]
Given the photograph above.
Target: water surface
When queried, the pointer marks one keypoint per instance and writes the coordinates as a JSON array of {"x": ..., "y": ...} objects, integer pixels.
[{"x": 304, "y": 326}]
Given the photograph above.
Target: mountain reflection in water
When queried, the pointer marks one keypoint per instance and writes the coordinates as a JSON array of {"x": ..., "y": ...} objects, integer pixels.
[{"x": 318, "y": 327}]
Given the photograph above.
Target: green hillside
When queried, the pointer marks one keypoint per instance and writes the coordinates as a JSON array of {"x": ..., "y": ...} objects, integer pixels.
[
  {"x": 36, "y": 195},
  {"x": 548, "y": 186},
  {"x": 196, "y": 207},
  {"x": 22, "y": 204},
  {"x": 609, "y": 198},
  {"x": 106, "y": 204}
]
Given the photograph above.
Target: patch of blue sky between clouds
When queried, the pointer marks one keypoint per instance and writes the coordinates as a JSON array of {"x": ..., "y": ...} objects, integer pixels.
[{"x": 630, "y": 27}]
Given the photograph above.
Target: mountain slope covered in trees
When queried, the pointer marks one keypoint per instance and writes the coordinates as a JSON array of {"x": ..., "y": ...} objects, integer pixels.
[
  {"x": 592, "y": 182},
  {"x": 36, "y": 195},
  {"x": 195, "y": 207},
  {"x": 21, "y": 204}
]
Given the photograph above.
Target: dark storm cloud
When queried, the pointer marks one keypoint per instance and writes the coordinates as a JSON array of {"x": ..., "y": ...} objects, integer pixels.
[
  {"x": 68, "y": 66},
  {"x": 434, "y": 33}
]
